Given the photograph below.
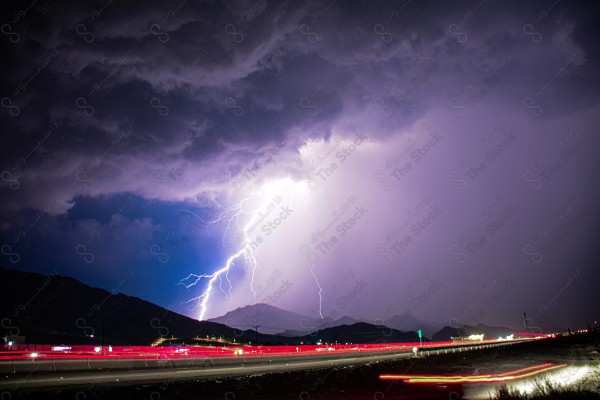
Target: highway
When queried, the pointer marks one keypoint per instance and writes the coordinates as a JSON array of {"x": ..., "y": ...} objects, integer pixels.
[
  {"x": 85, "y": 371},
  {"x": 88, "y": 379}
]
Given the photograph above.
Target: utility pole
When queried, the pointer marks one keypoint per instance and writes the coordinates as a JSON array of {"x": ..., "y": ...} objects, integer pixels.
[
  {"x": 256, "y": 333},
  {"x": 103, "y": 320},
  {"x": 255, "y": 327}
]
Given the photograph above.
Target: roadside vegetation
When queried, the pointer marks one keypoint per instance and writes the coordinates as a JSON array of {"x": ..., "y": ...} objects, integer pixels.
[{"x": 547, "y": 390}]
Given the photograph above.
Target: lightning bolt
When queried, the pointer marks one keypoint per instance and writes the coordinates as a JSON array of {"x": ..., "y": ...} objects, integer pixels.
[
  {"x": 312, "y": 271},
  {"x": 313, "y": 258},
  {"x": 232, "y": 215}
]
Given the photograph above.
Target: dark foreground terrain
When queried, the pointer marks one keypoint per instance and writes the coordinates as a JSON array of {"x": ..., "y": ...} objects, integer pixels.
[{"x": 361, "y": 381}]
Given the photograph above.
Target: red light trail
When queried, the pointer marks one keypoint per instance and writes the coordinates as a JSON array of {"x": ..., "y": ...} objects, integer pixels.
[{"x": 38, "y": 351}]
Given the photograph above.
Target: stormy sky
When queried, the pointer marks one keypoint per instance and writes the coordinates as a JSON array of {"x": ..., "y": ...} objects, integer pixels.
[{"x": 332, "y": 158}]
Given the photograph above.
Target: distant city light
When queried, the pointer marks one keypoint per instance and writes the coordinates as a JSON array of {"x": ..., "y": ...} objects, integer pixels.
[
  {"x": 509, "y": 337},
  {"x": 61, "y": 348},
  {"x": 476, "y": 337}
]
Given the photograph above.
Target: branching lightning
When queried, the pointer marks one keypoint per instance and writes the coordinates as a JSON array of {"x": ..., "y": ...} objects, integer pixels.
[{"x": 245, "y": 252}]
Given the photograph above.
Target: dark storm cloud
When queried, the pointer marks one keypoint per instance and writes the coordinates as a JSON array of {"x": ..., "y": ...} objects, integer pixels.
[
  {"x": 232, "y": 74},
  {"x": 169, "y": 102}
]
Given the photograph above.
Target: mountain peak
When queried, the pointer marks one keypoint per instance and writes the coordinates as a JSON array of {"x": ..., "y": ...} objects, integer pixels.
[
  {"x": 270, "y": 319},
  {"x": 407, "y": 322},
  {"x": 261, "y": 306}
]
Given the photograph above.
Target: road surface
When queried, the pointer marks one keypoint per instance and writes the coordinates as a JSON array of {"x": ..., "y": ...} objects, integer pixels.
[{"x": 86, "y": 373}]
